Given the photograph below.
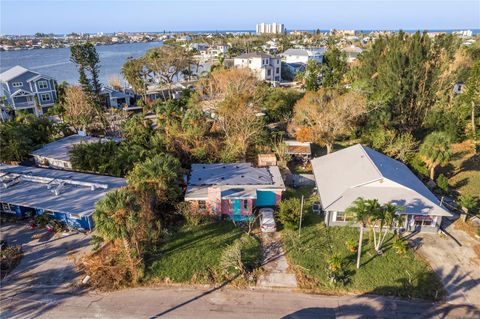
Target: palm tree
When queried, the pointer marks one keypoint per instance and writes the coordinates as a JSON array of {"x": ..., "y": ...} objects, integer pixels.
[
  {"x": 115, "y": 218},
  {"x": 159, "y": 174},
  {"x": 363, "y": 210},
  {"x": 435, "y": 150},
  {"x": 382, "y": 222}
]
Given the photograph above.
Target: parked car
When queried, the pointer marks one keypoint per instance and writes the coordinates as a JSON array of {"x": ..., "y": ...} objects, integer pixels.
[{"x": 267, "y": 222}]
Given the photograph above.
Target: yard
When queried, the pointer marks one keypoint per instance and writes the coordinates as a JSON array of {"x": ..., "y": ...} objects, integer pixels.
[
  {"x": 405, "y": 275},
  {"x": 464, "y": 169},
  {"x": 193, "y": 254}
]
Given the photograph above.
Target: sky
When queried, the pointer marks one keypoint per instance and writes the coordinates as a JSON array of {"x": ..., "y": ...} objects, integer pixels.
[{"x": 64, "y": 16}]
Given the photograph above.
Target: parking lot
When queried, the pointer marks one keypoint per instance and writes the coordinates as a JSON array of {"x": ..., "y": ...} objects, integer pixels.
[{"x": 48, "y": 260}]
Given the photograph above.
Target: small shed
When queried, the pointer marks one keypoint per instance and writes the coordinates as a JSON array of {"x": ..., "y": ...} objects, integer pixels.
[
  {"x": 269, "y": 159},
  {"x": 299, "y": 149}
]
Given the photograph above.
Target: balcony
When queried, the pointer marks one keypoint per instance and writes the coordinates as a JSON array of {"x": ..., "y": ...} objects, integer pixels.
[{"x": 24, "y": 105}]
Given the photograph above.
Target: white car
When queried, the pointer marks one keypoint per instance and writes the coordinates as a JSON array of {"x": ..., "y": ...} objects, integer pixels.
[{"x": 267, "y": 222}]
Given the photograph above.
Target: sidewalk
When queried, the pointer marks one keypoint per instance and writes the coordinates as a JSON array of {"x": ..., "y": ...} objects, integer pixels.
[{"x": 275, "y": 265}]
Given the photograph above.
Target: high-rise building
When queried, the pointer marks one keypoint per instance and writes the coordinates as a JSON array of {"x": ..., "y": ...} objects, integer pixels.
[{"x": 275, "y": 28}]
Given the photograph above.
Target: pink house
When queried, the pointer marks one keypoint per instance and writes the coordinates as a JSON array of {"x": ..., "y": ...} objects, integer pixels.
[{"x": 234, "y": 189}]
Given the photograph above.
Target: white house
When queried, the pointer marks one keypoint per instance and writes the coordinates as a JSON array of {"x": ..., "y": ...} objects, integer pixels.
[
  {"x": 303, "y": 55},
  {"x": 352, "y": 52},
  {"x": 267, "y": 67},
  {"x": 359, "y": 171}
]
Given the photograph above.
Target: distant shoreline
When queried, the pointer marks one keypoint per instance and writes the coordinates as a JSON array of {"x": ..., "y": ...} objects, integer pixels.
[{"x": 475, "y": 31}]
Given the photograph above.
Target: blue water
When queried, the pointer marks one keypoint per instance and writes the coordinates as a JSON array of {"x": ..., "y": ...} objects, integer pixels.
[{"x": 56, "y": 62}]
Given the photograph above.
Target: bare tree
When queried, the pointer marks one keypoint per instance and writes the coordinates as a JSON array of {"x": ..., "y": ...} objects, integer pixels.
[
  {"x": 167, "y": 62},
  {"x": 239, "y": 122},
  {"x": 79, "y": 109},
  {"x": 327, "y": 114}
]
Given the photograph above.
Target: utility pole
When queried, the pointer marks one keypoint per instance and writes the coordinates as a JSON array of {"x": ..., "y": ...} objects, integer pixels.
[{"x": 301, "y": 215}]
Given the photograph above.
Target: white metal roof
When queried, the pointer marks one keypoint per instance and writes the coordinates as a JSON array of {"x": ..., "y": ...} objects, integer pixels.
[
  {"x": 360, "y": 171},
  {"x": 54, "y": 190}
]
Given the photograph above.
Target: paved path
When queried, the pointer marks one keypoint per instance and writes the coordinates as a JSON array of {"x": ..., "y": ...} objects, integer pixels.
[
  {"x": 220, "y": 304},
  {"x": 454, "y": 260},
  {"x": 275, "y": 265},
  {"x": 48, "y": 260}
]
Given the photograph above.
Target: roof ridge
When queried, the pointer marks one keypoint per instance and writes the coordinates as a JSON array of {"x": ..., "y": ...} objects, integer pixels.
[{"x": 370, "y": 160}]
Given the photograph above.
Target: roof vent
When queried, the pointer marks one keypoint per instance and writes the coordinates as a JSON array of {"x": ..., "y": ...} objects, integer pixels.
[
  {"x": 199, "y": 178},
  {"x": 242, "y": 176}
]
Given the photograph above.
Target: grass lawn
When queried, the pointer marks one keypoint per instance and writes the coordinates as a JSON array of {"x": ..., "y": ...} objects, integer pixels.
[
  {"x": 464, "y": 171},
  {"x": 193, "y": 253},
  {"x": 391, "y": 274}
]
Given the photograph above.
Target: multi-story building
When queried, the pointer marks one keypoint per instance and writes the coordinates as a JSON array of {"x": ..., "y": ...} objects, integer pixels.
[
  {"x": 276, "y": 28},
  {"x": 303, "y": 55},
  {"x": 27, "y": 90},
  {"x": 265, "y": 66}
]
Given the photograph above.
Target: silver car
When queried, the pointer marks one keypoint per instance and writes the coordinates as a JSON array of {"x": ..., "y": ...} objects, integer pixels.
[{"x": 267, "y": 222}]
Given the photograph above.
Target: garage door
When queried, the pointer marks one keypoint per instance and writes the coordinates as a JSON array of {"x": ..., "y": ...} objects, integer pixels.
[{"x": 265, "y": 198}]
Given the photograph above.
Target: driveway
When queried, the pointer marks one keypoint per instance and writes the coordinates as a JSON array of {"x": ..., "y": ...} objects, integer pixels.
[
  {"x": 48, "y": 260},
  {"x": 453, "y": 258}
]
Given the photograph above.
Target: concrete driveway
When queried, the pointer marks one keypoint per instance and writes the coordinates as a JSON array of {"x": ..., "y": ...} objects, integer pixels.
[
  {"x": 48, "y": 260},
  {"x": 453, "y": 258}
]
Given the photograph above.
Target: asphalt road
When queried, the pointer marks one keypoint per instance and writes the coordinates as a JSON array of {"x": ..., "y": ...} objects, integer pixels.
[{"x": 218, "y": 303}]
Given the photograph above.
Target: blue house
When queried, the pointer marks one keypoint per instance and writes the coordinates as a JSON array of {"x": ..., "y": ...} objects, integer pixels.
[
  {"x": 69, "y": 197},
  {"x": 27, "y": 90}
]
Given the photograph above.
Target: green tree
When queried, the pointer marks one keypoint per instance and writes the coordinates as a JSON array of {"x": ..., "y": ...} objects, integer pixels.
[
  {"x": 435, "y": 150},
  {"x": 362, "y": 209},
  {"x": 471, "y": 98},
  {"x": 401, "y": 75},
  {"x": 158, "y": 178},
  {"x": 289, "y": 213},
  {"x": 312, "y": 75},
  {"x": 86, "y": 58},
  {"x": 382, "y": 220},
  {"x": 333, "y": 68},
  {"x": 136, "y": 74}
]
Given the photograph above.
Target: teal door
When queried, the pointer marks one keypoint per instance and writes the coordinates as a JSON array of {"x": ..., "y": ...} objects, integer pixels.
[
  {"x": 236, "y": 208},
  {"x": 265, "y": 198}
]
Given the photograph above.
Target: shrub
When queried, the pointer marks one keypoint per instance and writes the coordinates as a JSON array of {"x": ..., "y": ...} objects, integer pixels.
[
  {"x": 469, "y": 202},
  {"x": 191, "y": 214},
  {"x": 351, "y": 245},
  {"x": 289, "y": 212},
  {"x": 400, "y": 246},
  {"x": 442, "y": 183},
  {"x": 231, "y": 259}
]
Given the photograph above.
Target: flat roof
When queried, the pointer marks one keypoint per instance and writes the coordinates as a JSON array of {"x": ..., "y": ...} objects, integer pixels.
[
  {"x": 60, "y": 149},
  {"x": 36, "y": 187},
  {"x": 241, "y": 176}
]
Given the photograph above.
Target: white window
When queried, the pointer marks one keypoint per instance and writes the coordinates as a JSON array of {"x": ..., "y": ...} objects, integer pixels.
[
  {"x": 17, "y": 84},
  {"x": 45, "y": 97},
  {"x": 202, "y": 204},
  {"x": 42, "y": 84}
]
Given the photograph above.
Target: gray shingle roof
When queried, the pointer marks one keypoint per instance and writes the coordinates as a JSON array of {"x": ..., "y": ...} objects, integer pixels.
[
  {"x": 360, "y": 171},
  {"x": 76, "y": 196},
  {"x": 13, "y": 73},
  {"x": 255, "y": 55}
]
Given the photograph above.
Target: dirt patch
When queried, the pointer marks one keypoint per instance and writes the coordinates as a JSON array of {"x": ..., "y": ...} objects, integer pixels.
[
  {"x": 467, "y": 227},
  {"x": 10, "y": 257}
]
